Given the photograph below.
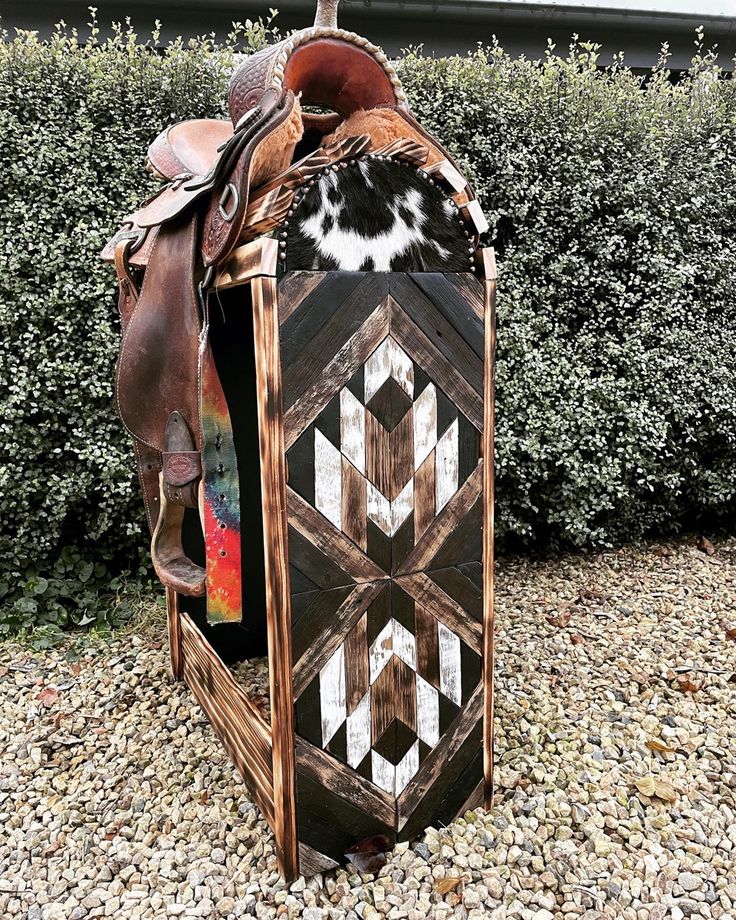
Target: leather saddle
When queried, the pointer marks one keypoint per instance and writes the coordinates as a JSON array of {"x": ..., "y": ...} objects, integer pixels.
[{"x": 166, "y": 255}]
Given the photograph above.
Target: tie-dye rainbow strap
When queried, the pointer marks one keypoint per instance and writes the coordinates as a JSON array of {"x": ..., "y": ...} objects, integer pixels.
[{"x": 221, "y": 511}]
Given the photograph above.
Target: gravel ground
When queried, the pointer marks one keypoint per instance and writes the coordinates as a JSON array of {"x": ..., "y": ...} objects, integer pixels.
[{"x": 616, "y": 779}]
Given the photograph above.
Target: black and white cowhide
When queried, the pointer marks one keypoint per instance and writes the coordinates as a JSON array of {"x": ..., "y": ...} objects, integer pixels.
[{"x": 375, "y": 215}]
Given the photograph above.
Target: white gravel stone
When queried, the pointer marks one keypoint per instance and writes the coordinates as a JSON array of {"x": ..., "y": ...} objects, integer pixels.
[{"x": 117, "y": 800}]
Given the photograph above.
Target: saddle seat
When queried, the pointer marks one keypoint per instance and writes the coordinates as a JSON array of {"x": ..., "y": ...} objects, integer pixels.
[{"x": 189, "y": 147}]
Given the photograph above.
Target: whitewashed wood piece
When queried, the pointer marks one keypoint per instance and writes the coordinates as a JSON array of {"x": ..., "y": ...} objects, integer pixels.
[
  {"x": 428, "y": 712},
  {"x": 402, "y": 367},
  {"x": 327, "y": 479},
  {"x": 332, "y": 696},
  {"x": 378, "y": 508},
  {"x": 402, "y": 506},
  {"x": 381, "y": 651},
  {"x": 446, "y": 467},
  {"x": 425, "y": 424},
  {"x": 359, "y": 731},
  {"x": 405, "y": 644},
  {"x": 376, "y": 370},
  {"x": 388, "y": 360},
  {"x": 406, "y": 768},
  {"x": 450, "y": 668},
  {"x": 352, "y": 429},
  {"x": 383, "y": 772}
]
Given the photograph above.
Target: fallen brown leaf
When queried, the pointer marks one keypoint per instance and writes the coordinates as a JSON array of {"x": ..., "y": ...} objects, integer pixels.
[
  {"x": 705, "y": 546},
  {"x": 443, "y": 885},
  {"x": 48, "y": 696},
  {"x": 591, "y": 593},
  {"x": 369, "y": 855},
  {"x": 75, "y": 668},
  {"x": 576, "y": 638},
  {"x": 654, "y": 745},
  {"x": 731, "y": 633},
  {"x": 559, "y": 621},
  {"x": 654, "y": 787},
  {"x": 686, "y": 685}
]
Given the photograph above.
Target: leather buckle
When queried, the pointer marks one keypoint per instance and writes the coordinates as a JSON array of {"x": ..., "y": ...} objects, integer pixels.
[{"x": 227, "y": 192}]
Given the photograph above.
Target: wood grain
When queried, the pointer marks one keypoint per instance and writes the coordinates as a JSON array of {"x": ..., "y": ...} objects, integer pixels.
[
  {"x": 344, "y": 782},
  {"x": 336, "y": 373},
  {"x": 273, "y": 506},
  {"x": 174, "y": 629},
  {"x": 438, "y": 759},
  {"x": 422, "y": 350},
  {"x": 444, "y": 524},
  {"x": 312, "y": 525},
  {"x": 488, "y": 525},
  {"x": 244, "y": 733},
  {"x": 328, "y": 640},
  {"x": 434, "y": 600}
]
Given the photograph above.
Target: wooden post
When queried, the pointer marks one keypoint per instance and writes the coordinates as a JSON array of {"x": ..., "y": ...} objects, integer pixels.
[
  {"x": 174, "y": 625},
  {"x": 273, "y": 501},
  {"x": 489, "y": 270}
]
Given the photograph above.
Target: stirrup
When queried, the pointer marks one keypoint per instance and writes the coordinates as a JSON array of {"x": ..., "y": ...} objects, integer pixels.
[{"x": 178, "y": 481}]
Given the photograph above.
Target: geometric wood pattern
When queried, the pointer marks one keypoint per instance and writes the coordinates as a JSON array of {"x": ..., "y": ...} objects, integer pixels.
[{"x": 383, "y": 378}]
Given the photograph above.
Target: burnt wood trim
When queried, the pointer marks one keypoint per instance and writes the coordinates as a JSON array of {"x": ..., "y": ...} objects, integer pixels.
[
  {"x": 247, "y": 262},
  {"x": 275, "y": 540},
  {"x": 488, "y": 523},
  {"x": 174, "y": 629},
  {"x": 244, "y": 733},
  {"x": 433, "y": 599}
]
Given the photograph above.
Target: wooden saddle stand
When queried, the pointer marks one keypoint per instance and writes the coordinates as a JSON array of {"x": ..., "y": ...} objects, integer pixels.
[{"x": 306, "y": 370}]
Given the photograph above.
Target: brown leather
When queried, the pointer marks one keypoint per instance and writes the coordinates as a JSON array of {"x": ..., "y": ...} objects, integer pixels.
[
  {"x": 174, "y": 569},
  {"x": 332, "y": 72},
  {"x": 338, "y": 75},
  {"x": 189, "y": 147},
  {"x": 159, "y": 356},
  {"x": 226, "y": 212},
  {"x": 181, "y": 467}
]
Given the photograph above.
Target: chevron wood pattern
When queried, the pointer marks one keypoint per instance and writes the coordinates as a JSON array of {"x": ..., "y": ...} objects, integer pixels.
[{"x": 384, "y": 378}]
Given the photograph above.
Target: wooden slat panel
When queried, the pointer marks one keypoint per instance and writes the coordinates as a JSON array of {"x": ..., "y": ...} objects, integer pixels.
[
  {"x": 304, "y": 368},
  {"x": 445, "y": 524},
  {"x": 453, "y": 306},
  {"x": 242, "y": 730},
  {"x": 325, "y": 642},
  {"x": 336, "y": 373},
  {"x": 434, "y": 600},
  {"x": 354, "y": 502},
  {"x": 427, "y": 780},
  {"x": 463, "y": 351},
  {"x": 273, "y": 504},
  {"x": 312, "y": 525},
  {"x": 421, "y": 349},
  {"x": 344, "y": 782},
  {"x": 356, "y": 659},
  {"x": 294, "y": 288}
]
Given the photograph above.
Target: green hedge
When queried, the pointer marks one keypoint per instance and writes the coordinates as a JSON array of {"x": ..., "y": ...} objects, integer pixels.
[{"x": 612, "y": 208}]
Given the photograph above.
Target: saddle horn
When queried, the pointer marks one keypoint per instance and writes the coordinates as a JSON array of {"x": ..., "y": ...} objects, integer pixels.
[{"x": 326, "y": 16}]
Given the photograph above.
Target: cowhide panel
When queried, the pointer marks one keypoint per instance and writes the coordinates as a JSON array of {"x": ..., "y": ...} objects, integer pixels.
[{"x": 375, "y": 214}]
